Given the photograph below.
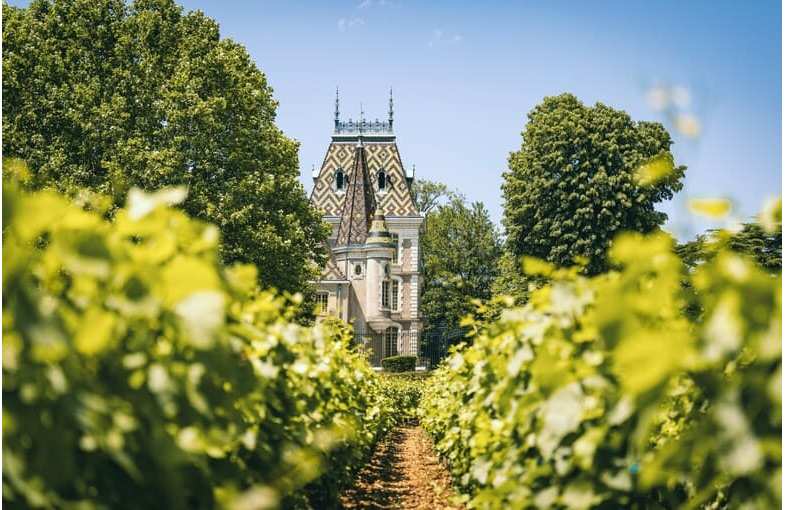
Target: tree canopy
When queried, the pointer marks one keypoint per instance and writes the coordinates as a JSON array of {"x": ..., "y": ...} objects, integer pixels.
[
  {"x": 460, "y": 247},
  {"x": 428, "y": 194},
  {"x": 108, "y": 95},
  {"x": 763, "y": 247},
  {"x": 510, "y": 279},
  {"x": 573, "y": 184}
]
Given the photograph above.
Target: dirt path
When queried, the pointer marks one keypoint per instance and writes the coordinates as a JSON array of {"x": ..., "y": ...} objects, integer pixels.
[{"x": 403, "y": 474}]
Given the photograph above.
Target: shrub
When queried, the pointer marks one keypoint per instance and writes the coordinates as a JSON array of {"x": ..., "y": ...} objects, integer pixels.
[
  {"x": 140, "y": 373},
  {"x": 399, "y": 363},
  {"x": 404, "y": 392},
  {"x": 600, "y": 393}
]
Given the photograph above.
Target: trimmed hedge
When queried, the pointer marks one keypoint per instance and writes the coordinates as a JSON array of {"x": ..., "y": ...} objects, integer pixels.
[
  {"x": 601, "y": 393},
  {"x": 140, "y": 373},
  {"x": 399, "y": 363}
]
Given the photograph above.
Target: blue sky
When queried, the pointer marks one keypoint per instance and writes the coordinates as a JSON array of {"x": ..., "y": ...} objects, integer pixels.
[{"x": 465, "y": 74}]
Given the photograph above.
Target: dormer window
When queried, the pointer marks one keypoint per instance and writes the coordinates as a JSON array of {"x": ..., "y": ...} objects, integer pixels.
[
  {"x": 340, "y": 180},
  {"x": 382, "y": 179}
]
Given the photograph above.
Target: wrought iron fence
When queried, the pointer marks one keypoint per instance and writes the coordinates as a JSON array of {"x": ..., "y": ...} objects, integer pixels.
[{"x": 429, "y": 346}]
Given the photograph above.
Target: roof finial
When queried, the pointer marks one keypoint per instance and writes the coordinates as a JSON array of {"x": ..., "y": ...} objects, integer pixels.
[
  {"x": 362, "y": 118},
  {"x": 413, "y": 169},
  {"x": 337, "y": 111},
  {"x": 391, "y": 109}
]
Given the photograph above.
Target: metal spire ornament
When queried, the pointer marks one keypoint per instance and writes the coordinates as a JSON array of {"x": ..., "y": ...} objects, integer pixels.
[
  {"x": 337, "y": 110},
  {"x": 390, "y": 112}
]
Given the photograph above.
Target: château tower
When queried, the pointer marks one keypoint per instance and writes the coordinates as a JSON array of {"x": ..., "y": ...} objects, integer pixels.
[{"x": 372, "y": 277}]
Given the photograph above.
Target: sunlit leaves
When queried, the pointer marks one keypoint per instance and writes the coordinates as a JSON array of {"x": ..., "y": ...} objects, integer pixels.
[
  {"x": 770, "y": 217},
  {"x": 714, "y": 208},
  {"x": 644, "y": 360},
  {"x": 96, "y": 332},
  {"x": 140, "y": 204},
  {"x": 654, "y": 170},
  {"x": 616, "y": 397},
  {"x": 173, "y": 380}
]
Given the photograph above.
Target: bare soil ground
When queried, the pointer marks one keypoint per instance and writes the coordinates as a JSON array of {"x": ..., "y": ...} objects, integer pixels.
[{"x": 403, "y": 474}]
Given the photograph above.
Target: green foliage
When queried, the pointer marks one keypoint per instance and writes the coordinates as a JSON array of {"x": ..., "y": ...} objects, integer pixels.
[
  {"x": 510, "y": 280},
  {"x": 460, "y": 248},
  {"x": 428, "y": 194},
  {"x": 600, "y": 393},
  {"x": 582, "y": 175},
  {"x": 404, "y": 363},
  {"x": 138, "y": 372},
  {"x": 108, "y": 95},
  {"x": 752, "y": 240},
  {"x": 404, "y": 392}
]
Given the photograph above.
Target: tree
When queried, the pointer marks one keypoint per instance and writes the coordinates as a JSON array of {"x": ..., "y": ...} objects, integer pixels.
[
  {"x": 752, "y": 240},
  {"x": 428, "y": 194},
  {"x": 460, "y": 250},
  {"x": 510, "y": 279},
  {"x": 573, "y": 184},
  {"x": 108, "y": 95}
]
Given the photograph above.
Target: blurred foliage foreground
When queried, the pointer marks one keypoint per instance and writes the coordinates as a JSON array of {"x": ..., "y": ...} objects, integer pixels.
[
  {"x": 138, "y": 372},
  {"x": 603, "y": 393}
]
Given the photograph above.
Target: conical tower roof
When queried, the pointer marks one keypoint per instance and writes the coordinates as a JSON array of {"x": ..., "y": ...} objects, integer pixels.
[
  {"x": 359, "y": 204},
  {"x": 378, "y": 234}
]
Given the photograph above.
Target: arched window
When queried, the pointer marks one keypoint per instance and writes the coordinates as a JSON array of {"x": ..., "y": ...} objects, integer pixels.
[
  {"x": 340, "y": 179},
  {"x": 382, "y": 177}
]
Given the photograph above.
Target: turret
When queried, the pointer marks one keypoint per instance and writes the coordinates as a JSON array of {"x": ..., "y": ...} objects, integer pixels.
[{"x": 379, "y": 248}]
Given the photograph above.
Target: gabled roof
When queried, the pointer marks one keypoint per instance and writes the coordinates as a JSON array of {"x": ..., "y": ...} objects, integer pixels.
[{"x": 359, "y": 202}]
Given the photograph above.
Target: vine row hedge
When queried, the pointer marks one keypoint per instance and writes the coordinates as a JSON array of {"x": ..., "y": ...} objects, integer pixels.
[
  {"x": 602, "y": 393},
  {"x": 138, "y": 372}
]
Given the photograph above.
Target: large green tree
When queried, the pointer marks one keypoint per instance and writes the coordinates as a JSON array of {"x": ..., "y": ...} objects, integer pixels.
[
  {"x": 108, "y": 95},
  {"x": 460, "y": 246},
  {"x": 573, "y": 184}
]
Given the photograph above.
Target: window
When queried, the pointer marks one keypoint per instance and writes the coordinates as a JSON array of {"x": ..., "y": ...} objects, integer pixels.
[
  {"x": 321, "y": 302},
  {"x": 358, "y": 269},
  {"x": 382, "y": 180},
  {"x": 397, "y": 247},
  {"x": 394, "y": 295},
  {"x": 391, "y": 341},
  {"x": 339, "y": 179},
  {"x": 386, "y": 294}
]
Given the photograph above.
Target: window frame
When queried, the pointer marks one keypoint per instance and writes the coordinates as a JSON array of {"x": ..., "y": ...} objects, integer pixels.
[
  {"x": 386, "y": 294},
  {"x": 389, "y": 337},
  {"x": 322, "y": 295},
  {"x": 396, "y": 284},
  {"x": 396, "y": 259},
  {"x": 342, "y": 187}
]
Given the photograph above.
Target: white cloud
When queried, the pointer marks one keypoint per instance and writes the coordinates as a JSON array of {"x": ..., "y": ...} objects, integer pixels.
[
  {"x": 441, "y": 38},
  {"x": 345, "y": 24}
]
